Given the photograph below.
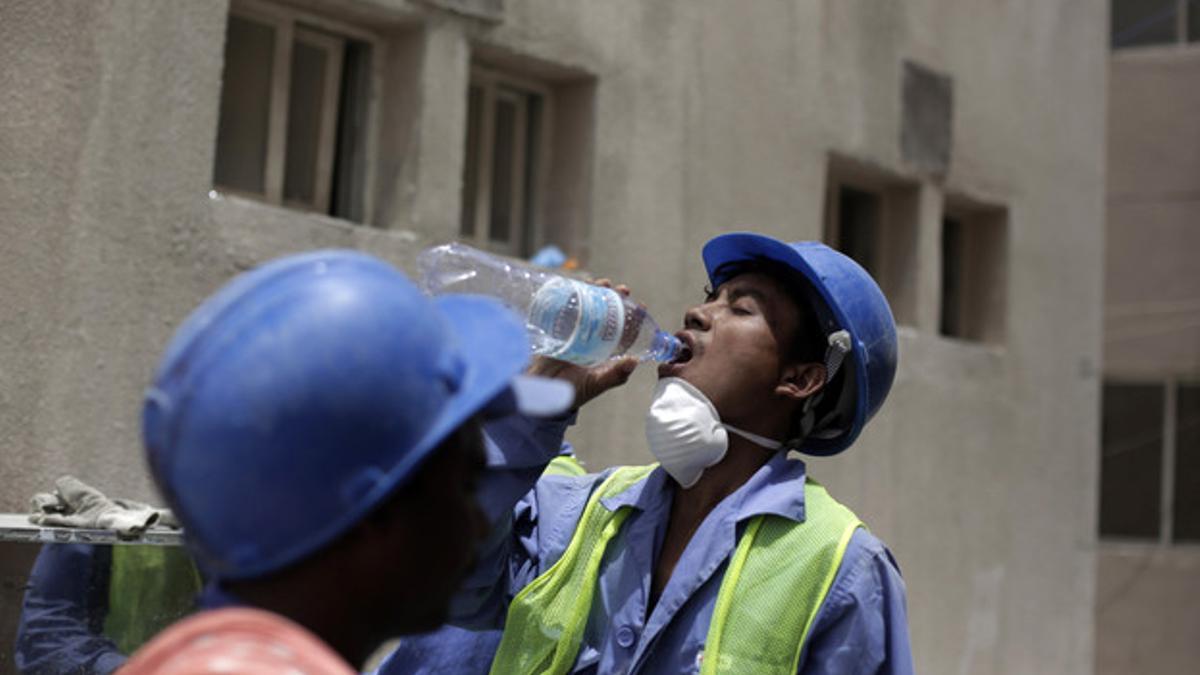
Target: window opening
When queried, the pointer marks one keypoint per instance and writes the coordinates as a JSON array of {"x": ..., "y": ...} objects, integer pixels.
[
  {"x": 871, "y": 215},
  {"x": 858, "y": 226},
  {"x": 1131, "y": 460},
  {"x": 504, "y": 141},
  {"x": 1137, "y": 23},
  {"x": 293, "y": 115},
  {"x": 1186, "y": 521},
  {"x": 974, "y": 264},
  {"x": 951, "y": 322}
]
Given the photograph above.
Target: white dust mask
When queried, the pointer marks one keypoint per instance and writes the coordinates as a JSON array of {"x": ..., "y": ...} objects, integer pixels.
[{"x": 685, "y": 432}]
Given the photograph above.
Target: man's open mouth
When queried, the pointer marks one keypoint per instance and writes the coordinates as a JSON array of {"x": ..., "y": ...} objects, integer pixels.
[
  {"x": 686, "y": 347},
  {"x": 686, "y": 352}
]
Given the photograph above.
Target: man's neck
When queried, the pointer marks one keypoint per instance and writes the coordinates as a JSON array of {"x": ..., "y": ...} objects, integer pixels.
[
  {"x": 690, "y": 507},
  {"x": 323, "y": 614},
  {"x": 741, "y": 461}
]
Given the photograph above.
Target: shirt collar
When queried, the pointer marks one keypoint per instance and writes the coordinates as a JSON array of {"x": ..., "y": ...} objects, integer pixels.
[
  {"x": 641, "y": 495},
  {"x": 776, "y": 488}
]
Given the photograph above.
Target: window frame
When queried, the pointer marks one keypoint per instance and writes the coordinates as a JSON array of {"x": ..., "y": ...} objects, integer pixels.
[
  {"x": 983, "y": 250},
  {"x": 1181, "y": 39},
  {"x": 330, "y": 35},
  {"x": 896, "y": 237},
  {"x": 528, "y": 186},
  {"x": 1171, "y": 386},
  {"x": 834, "y": 233},
  {"x": 334, "y": 48}
]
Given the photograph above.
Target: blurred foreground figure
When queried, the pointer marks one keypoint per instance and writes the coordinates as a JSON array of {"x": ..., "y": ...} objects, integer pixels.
[
  {"x": 88, "y": 606},
  {"x": 316, "y": 426},
  {"x": 725, "y": 557}
]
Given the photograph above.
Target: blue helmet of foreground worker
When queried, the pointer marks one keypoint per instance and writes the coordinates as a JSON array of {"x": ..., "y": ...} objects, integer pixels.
[
  {"x": 300, "y": 396},
  {"x": 844, "y": 298}
]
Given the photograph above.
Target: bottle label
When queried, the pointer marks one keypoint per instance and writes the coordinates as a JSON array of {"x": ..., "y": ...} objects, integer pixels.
[{"x": 584, "y": 322}]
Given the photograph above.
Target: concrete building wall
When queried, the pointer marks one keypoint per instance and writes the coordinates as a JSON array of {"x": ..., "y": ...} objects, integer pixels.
[
  {"x": 707, "y": 116},
  {"x": 1147, "y": 598},
  {"x": 1152, "y": 311},
  {"x": 1147, "y": 602}
]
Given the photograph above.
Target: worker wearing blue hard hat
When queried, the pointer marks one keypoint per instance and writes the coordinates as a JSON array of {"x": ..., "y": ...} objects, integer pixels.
[
  {"x": 316, "y": 426},
  {"x": 725, "y": 556}
]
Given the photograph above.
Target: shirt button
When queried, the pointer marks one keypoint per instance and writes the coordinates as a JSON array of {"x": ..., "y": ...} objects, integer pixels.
[{"x": 625, "y": 636}]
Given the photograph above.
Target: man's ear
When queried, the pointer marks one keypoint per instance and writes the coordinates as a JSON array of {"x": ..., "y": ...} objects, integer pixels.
[{"x": 798, "y": 381}]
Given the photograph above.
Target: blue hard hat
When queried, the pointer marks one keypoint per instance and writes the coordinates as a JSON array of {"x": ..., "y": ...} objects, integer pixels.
[
  {"x": 844, "y": 297},
  {"x": 301, "y": 395}
]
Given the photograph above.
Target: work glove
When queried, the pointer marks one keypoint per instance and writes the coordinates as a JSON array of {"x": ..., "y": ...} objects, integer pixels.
[{"x": 76, "y": 504}]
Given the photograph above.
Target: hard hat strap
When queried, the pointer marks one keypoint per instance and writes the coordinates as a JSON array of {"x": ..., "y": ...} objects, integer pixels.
[{"x": 835, "y": 355}]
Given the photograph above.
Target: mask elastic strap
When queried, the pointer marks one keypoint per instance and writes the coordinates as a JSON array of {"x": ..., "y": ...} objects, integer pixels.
[
  {"x": 835, "y": 355},
  {"x": 755, "y": 438}
]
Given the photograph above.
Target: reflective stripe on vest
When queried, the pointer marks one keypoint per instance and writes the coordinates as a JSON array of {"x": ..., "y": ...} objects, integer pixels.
[
  {"x": 149, "y": 588},
  {"x": 546, "y": 619},
  {"x": 776, "y": 581},
  {"x": 775, "y": 584},
  {"x": 564, "y": 465}
]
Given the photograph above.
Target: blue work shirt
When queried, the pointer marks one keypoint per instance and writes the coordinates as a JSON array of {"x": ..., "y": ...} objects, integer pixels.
[
  {"x": 860, "y": 628},
  {"x": 62, "y": 619},
  {"x": 449, "y": 649}
]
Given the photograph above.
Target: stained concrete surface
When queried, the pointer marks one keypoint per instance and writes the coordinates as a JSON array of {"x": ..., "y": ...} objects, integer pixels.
[
  {"x": 1147, "y": 612},
  {"x": 1152, "y": 292}
]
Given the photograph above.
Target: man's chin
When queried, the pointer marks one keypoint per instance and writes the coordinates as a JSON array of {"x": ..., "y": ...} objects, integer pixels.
[{"x": 672, "y": 370}]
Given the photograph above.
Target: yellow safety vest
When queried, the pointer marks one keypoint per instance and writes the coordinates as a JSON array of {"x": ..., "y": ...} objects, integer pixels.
[
  {"x": 150, "y": 587},
  {"x": 776, "y": 581},
  {"x": 564, "y": 465}
]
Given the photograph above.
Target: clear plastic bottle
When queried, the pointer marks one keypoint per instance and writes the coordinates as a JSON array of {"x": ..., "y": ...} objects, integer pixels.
[{"x": 567, "y": 318}]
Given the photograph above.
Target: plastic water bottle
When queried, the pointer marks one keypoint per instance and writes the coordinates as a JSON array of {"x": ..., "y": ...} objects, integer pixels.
[{"x": 567, "y": 319}]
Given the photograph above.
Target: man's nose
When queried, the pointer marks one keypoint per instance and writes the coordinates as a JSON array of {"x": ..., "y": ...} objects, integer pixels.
[{"x": 696, "y": 318}]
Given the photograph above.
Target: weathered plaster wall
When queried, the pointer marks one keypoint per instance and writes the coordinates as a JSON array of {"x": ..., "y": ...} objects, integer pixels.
[
  {"x": 108, "y": 233},
  {"x": 1146, "y": 609},
  {"x": 1147, "y": 595},
  {"x": 709, "y": 116},
  {"x": 108, "y": 123},
  {"x": 1152, "y": 311}
]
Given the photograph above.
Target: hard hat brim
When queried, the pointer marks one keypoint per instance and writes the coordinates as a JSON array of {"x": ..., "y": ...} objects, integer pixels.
[{"x": 495, "y": 347}]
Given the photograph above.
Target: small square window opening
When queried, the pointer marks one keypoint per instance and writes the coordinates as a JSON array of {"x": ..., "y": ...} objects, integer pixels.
[
  {"x": 505, "y": 139},
  {"x": 294, "y": 107}
]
